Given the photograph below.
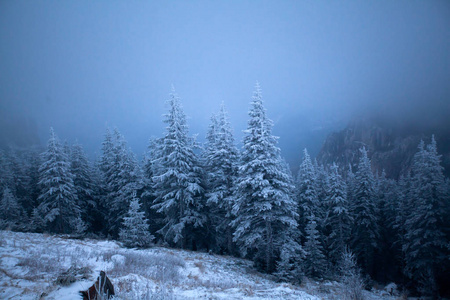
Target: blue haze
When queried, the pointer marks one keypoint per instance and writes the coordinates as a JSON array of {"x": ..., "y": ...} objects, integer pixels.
[{"x": 80, "y": 66}]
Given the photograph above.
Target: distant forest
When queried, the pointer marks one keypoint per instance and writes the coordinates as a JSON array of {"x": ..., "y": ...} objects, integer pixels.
[{"x": 215, "y": 197}]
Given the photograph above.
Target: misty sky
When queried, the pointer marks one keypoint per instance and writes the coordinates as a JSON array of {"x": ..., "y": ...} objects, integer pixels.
[{"x": 80, "y": 66}]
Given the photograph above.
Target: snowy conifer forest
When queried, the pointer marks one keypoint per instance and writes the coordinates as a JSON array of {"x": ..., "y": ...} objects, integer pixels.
[{"x": 328, "y": 222}]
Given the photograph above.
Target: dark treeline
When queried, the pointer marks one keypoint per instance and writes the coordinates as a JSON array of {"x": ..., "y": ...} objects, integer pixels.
[{"x": 214, "y": 197}]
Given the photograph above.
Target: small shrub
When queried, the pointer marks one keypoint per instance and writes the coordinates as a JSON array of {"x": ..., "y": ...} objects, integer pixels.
[
  {"x": 73, "y": 274},
  {"x": 200, "y": 266},
  {"x": 221, "y": 284},
  {"x": 107, "y": 255},
  {"x": 146, "y": 295},
  {"x": 351, "y": 277},
  {"x": 127, "y": 290},
  {"x": 38, "y": 263},
  {"x": 159, "y": 267},
  {"x": 118, "y": 259}
]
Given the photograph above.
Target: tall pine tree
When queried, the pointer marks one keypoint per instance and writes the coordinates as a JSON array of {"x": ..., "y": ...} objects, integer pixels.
[
  {"x": 58, "y": 198},
  {"x": 265, "y": 212},
  {"x": 387, "y": 194},
  {"x": 308, "y": 199},
  {"x": 84, "y": 185},
  {"x": 177, "y": 181},
  {"x": 148, "y": 194},
  {"x": 10, "y": 211},
  {"x": 339, "y": 219},
  {"x": 365, "y": 231},
  {"x": 221, "y": 157},
  {"x": 21, "y": 184},
  {"x": 125, "y": 180},
  {"x": 314, "y": 263},
  {"x": 425, "y": 243}
]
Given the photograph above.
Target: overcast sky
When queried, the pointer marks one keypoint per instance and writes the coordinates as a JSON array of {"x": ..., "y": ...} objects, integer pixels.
[{"x": 80, "y": 66}]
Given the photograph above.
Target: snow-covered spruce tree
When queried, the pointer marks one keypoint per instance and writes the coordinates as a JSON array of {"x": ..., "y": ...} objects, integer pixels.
[
  {"x": 6, "y": 177},
  {"x": 322, "y": 178},
  {"x": 135, "y": 231},
  {"x": 84, "y": 185},
  {"x": 291, "y": 262},
  {"x": 339, "y": 219},
  {"x": 37, "y": 222},
  {"x": 117, "y": 206},
  {"x": 107, "y": 158},
  {"x": 402, "y": 209},
  {"x": 211, "y": 135},
  {"x": 108, "y": 173},
  {"x": 98, "y": 223},
  {"x": 265, "y": 212},
  {"x": 21, "y": 184},
  {"x": 58, "y": 198},
  {"x": 66, "y": 148},
  {"x": 365, "y": 232},
  {"x": 150, "y": 165},
  {"x": 10, "y": 211},
  {"x": 350, "y": 182},
  {"x": 350, "y": 275},
  {"x": 314, "y": 264},
  {"x": 20, "y": 171},
  {"x": 125, "y": 177},
  {"x": 6, "y": 173},
  {"x": 177, "y": 182},
  {"x": 221, "y": 156},
  {"x": 32, "y": 170},
  {"x": 308, "y": 200},
  {"x": 425, "y": 243},
  {"x": 121, "y": 176},
  {"x": 292, "y": 254},
  {"x": 387, "y": 195}
]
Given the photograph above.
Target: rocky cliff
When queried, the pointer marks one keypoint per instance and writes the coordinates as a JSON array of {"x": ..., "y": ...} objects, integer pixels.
[{"x": 391, "y": 146}]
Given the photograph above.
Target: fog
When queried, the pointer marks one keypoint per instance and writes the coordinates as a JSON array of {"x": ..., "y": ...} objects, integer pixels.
[{"x": 81, "y": 66}]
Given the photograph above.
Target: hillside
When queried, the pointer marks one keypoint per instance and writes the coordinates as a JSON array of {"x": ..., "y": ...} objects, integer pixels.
[
  {"x": 31, "y": 263},
  {"x": 391, "y": 146}
]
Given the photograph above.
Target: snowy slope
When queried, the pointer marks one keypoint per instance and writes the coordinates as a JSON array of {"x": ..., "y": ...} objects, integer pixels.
[{"x": 31, "y": 263}]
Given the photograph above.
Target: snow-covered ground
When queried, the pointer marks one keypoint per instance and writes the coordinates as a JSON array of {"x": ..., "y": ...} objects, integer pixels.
[{"x": 30, "y": 265}]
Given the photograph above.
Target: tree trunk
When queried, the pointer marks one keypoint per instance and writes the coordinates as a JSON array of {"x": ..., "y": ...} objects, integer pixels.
[
  {"x": 269, "y": 246},
  {"x": 229, "y": 240}
]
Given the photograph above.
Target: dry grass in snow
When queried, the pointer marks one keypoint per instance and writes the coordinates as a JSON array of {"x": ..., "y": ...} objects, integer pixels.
[{"x": 34, "y": 266}]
